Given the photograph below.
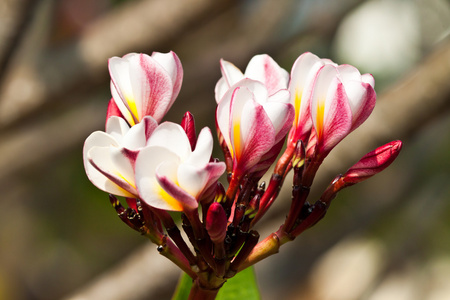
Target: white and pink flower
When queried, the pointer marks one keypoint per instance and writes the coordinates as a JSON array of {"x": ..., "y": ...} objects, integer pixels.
[
  {"x": 109, "y": 157},
  {"x": 252, "y": 122},
  {"x": 341, "y": 100},
  {"x": 143, "y": 85}
]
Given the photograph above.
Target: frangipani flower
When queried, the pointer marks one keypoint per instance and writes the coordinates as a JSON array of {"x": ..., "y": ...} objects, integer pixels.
[
  {"x": 143, "y": 85},
  {"x": 252, "y": 122},
  {"x": 169, "y": 175},
  {"x": 261, "y": 68},
  {"x": 109, "y": 157},
  {"x": 342, "y": 99},
  {"x": 303, "y": 75}
]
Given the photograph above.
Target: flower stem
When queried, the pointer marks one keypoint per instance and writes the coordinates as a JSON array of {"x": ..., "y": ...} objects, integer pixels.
[
  {"x": 269, "y": 246},
  {"x": 302, "y": 184},
  {"x": 269, "y": 196},
  {"x": 199, "y": 293},
  {"x": 170, "y": 251}
]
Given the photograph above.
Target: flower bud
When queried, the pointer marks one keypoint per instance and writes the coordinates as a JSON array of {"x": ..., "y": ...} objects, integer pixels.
[
  {"x": 188, "y": 124},
  {"x": 373, "y": 163},
  {"x": 298, "y": 160},
  {"x": 216, "y": 223}
]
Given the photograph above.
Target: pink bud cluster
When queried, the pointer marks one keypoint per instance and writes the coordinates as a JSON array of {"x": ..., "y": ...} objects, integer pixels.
[{"x": 163, "y": 166}]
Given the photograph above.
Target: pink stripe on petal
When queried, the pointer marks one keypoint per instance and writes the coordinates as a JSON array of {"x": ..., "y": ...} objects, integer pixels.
[
  {"x": 258, "y": 135},
  {"x": 152, "y": 88},
  {"x": 186, "y": 201},
  {"x": 116, "y": 178},
  {"x": 267, "y": 160},
  {"x": 172, "y": 64},
  {"x": 337, "y": 122},
  {"x": 150, "y": 125}
]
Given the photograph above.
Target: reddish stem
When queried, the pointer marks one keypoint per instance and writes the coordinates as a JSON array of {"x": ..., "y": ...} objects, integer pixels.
[{"x": 199, "y": 293}]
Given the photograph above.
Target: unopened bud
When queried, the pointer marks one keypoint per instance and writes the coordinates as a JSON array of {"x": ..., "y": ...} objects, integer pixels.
[
  {"x": 298, "y": 159},
  {"x": 373, "y": 163},
  {"x": 216, "y": 223},
  {"x": 188, "y": 124},
  {"x": 220, "y": 193}
]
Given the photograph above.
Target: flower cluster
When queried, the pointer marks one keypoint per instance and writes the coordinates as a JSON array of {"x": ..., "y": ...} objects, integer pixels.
[{"x": 160, "y": 167}]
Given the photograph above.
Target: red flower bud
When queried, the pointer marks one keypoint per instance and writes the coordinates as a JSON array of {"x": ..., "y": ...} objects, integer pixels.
[
  {"x": 216, "y": 223},
  {"x": 188, "y": 124},
  {"x": 373, "y": 162}
]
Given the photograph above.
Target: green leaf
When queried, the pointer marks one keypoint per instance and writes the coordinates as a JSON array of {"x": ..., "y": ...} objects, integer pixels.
[
  {"x": 241, "y": 286},
  {"x": 183, "y": 287}
]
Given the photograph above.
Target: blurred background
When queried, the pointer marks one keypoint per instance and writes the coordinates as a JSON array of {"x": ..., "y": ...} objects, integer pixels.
[{"x": 387, "y": 238}]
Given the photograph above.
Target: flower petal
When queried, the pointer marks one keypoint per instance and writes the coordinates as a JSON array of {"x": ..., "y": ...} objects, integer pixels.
[
  {"x": 203, "y": 149},
  {"x": 117, "y": 128},
  {"x": 174, "y": 196},
  {"x": 116, "y": 168},
  {"x": 100, "y": 139},
  {"x": 121, "y": 88},
  {"x": 122, "y": 106},
  {"x": 303, "y": 75},
  {"x": 171, "y": 136},
  {"x": 281, "y": 116},
  {"x": 251, "y": 131},
  {"x": 368, "y": 78},
  {"x": 330, "y": 111},
  {"x": 220, "y": 89},
  {"x": 142, "y": 86},
  {"x": 366, "y": 107},
  {"x": 172, "y": 64},
  {"x": 152, "y": 87},
  {"x": 195, "y": 179},
  {"x": 230, "y": 72},
  {"x": 138, "y": 135},
  {"x": 147, "y": 162},
  {"x": 361, "y": 95},
  {"x": 264, "y": 69}
]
